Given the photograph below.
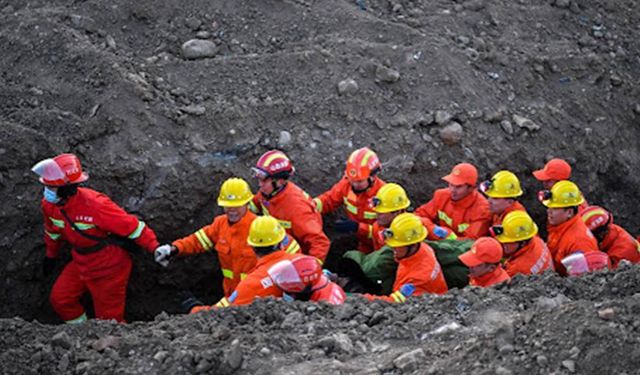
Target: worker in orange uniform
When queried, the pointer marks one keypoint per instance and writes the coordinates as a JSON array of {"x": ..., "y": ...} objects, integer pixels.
[
  {"x": 265, "y": 237},
  {"x": 555, "y": 170},
  {"x": 355, "y": 191},
  {"x": 284, "y": 200},
  {"x": 483, "y": 260},
  {"x": 458, "y": 209},
  {"x": 568, "y": 234},
  {"x": 97, "y": 230},
  {"x": 227, "y": 234},
  {"x": 418, "y": 269},
  {"x": 612, "y": 238},
  {"x": 524, "y": 250},
  {"x": 502, "y": 191},
  {"x": 302, "y": 279}
]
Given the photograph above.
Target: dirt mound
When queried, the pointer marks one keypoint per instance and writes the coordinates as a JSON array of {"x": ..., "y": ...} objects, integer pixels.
[
  {"x": 502, "y": 84},
  {"x": 542, "y": 324}
]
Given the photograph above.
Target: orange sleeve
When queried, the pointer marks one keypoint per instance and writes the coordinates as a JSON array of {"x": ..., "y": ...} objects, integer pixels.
[
  {"x": 204, "y": 239},
  {"x": 333, "y": 198},
  {"x": 479, "y": 222},
  {"x": 307, "y": 229}
]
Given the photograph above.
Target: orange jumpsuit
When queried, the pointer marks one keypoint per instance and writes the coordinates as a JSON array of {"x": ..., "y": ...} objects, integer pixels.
[
  {"x": 257, "y": 284},
  {"x": 359, "y": 207},
  {"x": 468, "y": 217},
  {"x": 497, "y": 276},
  {"x": 298, "y": 216},
  {"x": 235, "y": 256},
  {"x": 420, "y": 269},
  {"x": 619, "y": 244},
  {"x": 516, "y": 206},
  {"x": 330, "y": 293},
  {"x": 568, "y": 238},
  {"x": 534, "y": 258}
]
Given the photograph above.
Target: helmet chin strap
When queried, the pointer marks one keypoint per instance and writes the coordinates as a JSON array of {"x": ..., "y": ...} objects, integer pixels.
[{"x": 275, "y": 189}]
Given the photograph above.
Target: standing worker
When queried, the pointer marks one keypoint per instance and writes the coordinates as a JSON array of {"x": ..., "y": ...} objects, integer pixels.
[
  {"x": 483, "y": 260},
  {"x": 227, "y": 234},
  {"x": 355, "y": 191},
  {"x": 612, "y": 238},
  {"x": 503, "y": 191},
  {"x": 524, "y": 251},
  {"x": 97, "y": 229},
  {"x": 289, "y": 204},
  {"x": 568, "y": 234},
  {"x": 458, "y": 209}
]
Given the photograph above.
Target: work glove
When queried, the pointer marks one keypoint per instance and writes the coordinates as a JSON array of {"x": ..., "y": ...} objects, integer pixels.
[
  {"x": 48, "y": 266},
  {"x": 346, "y": 226},
  {"x": 163, "y": 253},
  {"x": 189, "y": 301},
  {"x": 443, "y": 233},
  {"x": 407, "y": 289}
]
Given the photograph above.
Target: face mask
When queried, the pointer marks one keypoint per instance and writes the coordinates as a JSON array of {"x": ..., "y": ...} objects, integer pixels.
[{"x": 51, "y": 196}]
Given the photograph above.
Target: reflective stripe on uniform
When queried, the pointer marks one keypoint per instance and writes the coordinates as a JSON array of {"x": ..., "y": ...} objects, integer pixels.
[
  {"x": 369, "y": 215},
  {"x": 451, "y": 236},
  {"x": 588, "y": 215},
  {"x": 84, "y": 226},
  {"x": 444, "y": 217},
  {"x": 138, "y": 231},
  {"x": 462, "y": 227},
  {"x": 224, "y": 302},
  {"x": 253, "y": 207},
  {"x": 81, "y": 319},
  {"x": 285, "y": 224},
  {"x": 349, "y": 206},
  {"x": 243, "y": 276},
  {"x": 293, "y": 248},
  {"x": 204, "y": 240},
  {"x": 227, "y": 273},
  {"x": 398, "y": 297},
  {"x": 56, "y": 222},
  {"x": 370, "y": 231},
  {"x": 318, "y": 203},
  {"x": 53, "y": 236}
]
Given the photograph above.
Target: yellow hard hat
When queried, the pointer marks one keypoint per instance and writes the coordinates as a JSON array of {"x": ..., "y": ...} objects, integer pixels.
[
  {"x": 235, "y": 192},
  {"x": 406, "y": 229},
  {"x": 562, "y": 194},
  {"x": 516, "y": 226},
  {"x": 391, "y": 197},
  {"x": 265, "y": 231},
  {"x": 503, "y": 184}
]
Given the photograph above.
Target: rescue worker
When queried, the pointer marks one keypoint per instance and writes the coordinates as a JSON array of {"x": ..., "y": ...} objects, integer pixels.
[
  {"x": 227, "y": 235},
  {"x": 265, "y": 237},
  {"x": 458, "y": 209},
  {"x": 378, "y": 267},
  {"x": 524, "y": 250},
  {"x": 612, "y": 238},
  {"x": 483, "y": 260},
  {"x": 302, "y": 279},
  {"x": 284, "y": 200},
  {"x": 355, "y": 191},
  {"x": 502, "y": 191},
  {"x": 567, "y": 232},
  {"x": 97, "y": 230},
  {"x": 418, "y": 269}
]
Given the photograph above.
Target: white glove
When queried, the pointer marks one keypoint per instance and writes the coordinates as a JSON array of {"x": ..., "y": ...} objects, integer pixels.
[{"x": 163, "y": 253}]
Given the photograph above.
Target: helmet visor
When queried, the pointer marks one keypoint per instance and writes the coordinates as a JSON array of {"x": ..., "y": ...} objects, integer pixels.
[
  {"x": 285, "y": 276},
  {"x": 49, "y": 172}
]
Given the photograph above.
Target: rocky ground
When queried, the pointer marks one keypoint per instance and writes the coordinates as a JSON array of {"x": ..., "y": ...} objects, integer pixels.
[{"x": 164, "y": 100}]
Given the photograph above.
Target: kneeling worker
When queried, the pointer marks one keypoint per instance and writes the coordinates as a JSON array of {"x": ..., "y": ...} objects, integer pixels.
[{"x": 484, "y": 265}]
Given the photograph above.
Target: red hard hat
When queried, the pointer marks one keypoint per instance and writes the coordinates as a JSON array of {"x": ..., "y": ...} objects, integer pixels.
[
  {"x": 597, "y": 260},
  {"x": 596, "y": 217},
  {"x": 296, "y": 275},
  {"x": 64, "y": 169},
  {"x": 362, "y": 163},
  {"x": 274, "y": 163}
]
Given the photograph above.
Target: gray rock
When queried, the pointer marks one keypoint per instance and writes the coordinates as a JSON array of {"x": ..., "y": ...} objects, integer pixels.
[
  {"x": 463, "y": 40},
  {"x": 161, "y": 356},
  {"x": 203, "y": 34},
  {"x": 63, "y": 364},
  {"x": 542, "y": 361},
  {"x": 388, "y": 75},
  {"x": 493, "y": 115},
  {"x": 569, "y": 365},
  {"x": 503, "y": 371},
  {"x": 83, "y": 367},
  {"x": 199, "y": 49},
  {"x": 409, "y": 361},
  {"x": 292, "y": 320},
  {"x": 546, "y": 303},
  {"x": 616, "y": 80},
  {"x": 474, "y": 5},
  {"x": 636, "y": 109},
  {"x": 232, "y": 358},
  {"x": 194, "y": 109},
  {"x": 563, "y": 4},
  {"x": 606, "y": 314},
  {"x": 506, "y": 126},
  {"x": 111, "y": 43},
  {"x": 452, "y": 133},
  {"x": 192, "y": 23},
  {"x": 338, "y": 342},
  {"x": 105, "y": 342},
  {"x": 523, "y": 122},
  {"x": 284, "y": 138},
  {"x": 203, "y": 366},
  {"x": 442, "y": 117},
  {"x": 61, "y": 339},
  {"x": 347, "y": 87}
]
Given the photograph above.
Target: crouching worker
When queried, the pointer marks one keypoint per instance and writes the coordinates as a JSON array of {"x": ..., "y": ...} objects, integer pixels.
[
  {"x": 484, "y": 265},
  {"x": 418, "y": 269},
  {"x": 98, "y": 231},
  {"x": 302, "y": 279},
  {"x": 266, "y": 237},
  {"x": 612, "y": 238},
  {"x": 227, "y": 235}
]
